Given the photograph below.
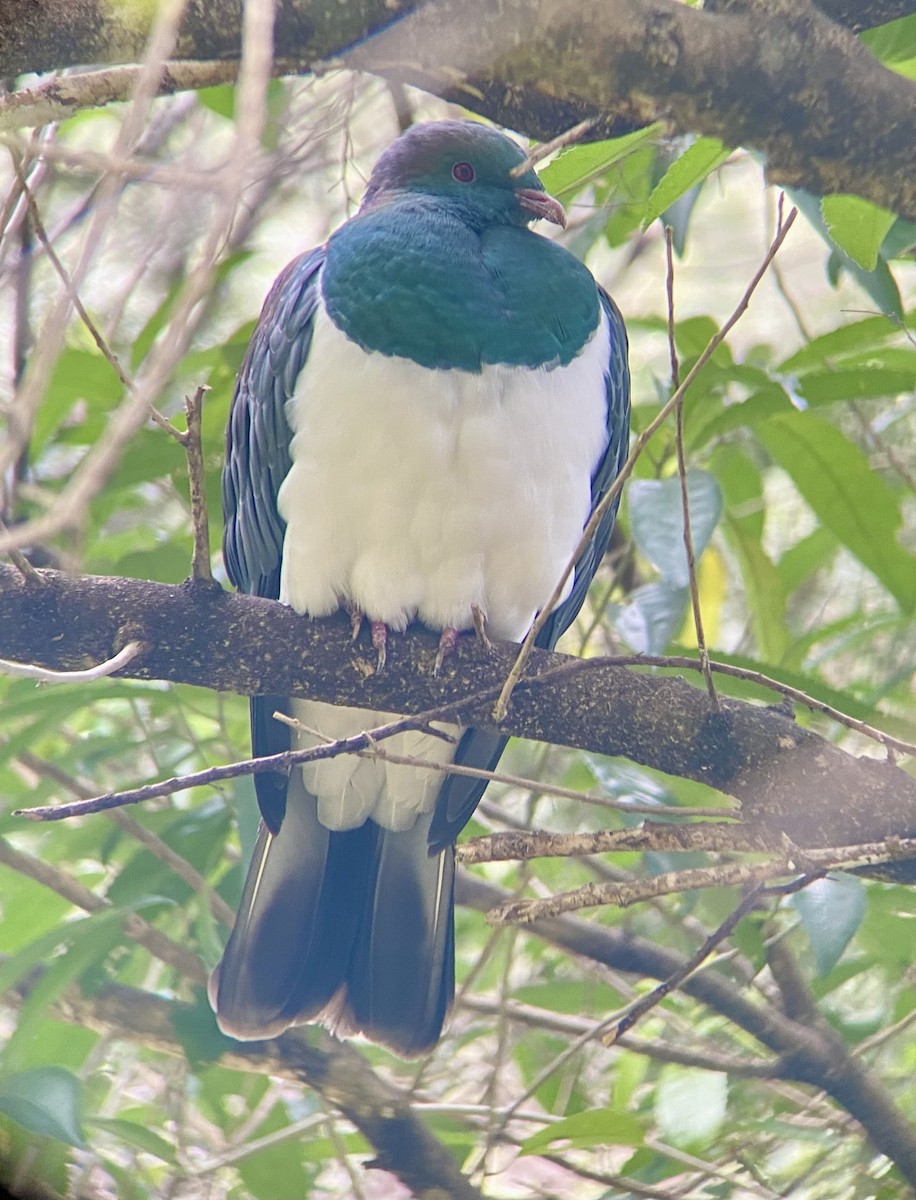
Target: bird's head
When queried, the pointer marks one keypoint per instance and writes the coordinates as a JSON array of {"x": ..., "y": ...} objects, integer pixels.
[{"x": 470, "y": 165}]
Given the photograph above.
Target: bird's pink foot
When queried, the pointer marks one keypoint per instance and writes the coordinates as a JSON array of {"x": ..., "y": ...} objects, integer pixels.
[{"x": 380, "y": 642}]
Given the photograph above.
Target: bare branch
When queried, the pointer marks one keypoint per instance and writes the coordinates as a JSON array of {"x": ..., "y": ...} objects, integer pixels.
[{"x": 809, "y": 861}]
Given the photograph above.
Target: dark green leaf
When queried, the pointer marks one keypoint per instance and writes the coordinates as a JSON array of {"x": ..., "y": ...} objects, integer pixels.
[
  {"x": 45, "y": 1101},
  {"x": 138, "y": 1136}
]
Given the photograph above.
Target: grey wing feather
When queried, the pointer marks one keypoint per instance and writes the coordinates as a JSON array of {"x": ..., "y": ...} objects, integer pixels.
[
  {"x": 257, "y": 462},
  {"x": 258, "y": 437}
]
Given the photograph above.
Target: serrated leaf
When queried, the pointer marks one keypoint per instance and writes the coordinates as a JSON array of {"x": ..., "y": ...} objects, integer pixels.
[
  {"x": 657, "y": 521},
  {"x": 849, "y": 498},
  {"x": 45, "y": 1101},
  {"x": 857, "y": 226},
  {"x": 573, "y": 169},
  {"x": 690, "y": 1105},
  {"x": 597, "y": 1127},
  {"x": 831, "y": 910},
  {"x": 697, "y": 161}
]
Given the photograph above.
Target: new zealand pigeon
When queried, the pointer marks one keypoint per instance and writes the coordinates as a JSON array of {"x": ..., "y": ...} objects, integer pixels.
[{"x": 431, "y": 405}]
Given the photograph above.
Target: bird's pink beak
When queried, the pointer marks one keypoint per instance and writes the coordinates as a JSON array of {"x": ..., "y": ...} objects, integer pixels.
[{"x": 542, "y": 205}]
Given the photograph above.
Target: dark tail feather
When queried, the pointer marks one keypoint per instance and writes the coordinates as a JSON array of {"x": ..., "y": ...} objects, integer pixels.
[
  {"x": 300, "y": 908},
  {"x": 401, "y": 978},
  {"x": 353, "y": 927}
]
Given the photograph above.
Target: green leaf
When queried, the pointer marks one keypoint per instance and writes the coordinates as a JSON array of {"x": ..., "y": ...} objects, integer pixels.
[
  {"x": 274, "y": 1170},
  {"x": 45, "y": 1101},
  {"x": 800, "y": 561},
  {"x": 597, "y": 1127},
  {"x": 894, "y": 44},
  {"x": 831, "y": 911},
  {"x": 858, "y": 336},
  {"x": 857, "y": 226},
  {"x": 651, "y": 617},
  {"x": 39, "y": 951},
  {"x": 762, "y": 588},
  {"x": 657, "y": 521},
  {"x": 690, "y": 1105},
  {"x": 573, "y": 169},
  {"x": 697, "y": 161},
  {"x": 138, "y": 1136},
  {"x": 849, "y": 498},
  {"x": 219, "y": 99}
]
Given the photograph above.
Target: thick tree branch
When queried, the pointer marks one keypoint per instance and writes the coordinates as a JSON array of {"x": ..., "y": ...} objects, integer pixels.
[
  {"x": 788, "y": 779},
  {"x": 784, "y": 79}
]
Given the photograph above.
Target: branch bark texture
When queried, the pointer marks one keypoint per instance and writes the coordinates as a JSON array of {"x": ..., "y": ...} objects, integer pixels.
[
  {"x": 790, "y": 80},
  {"x": 789, "y": 780}
]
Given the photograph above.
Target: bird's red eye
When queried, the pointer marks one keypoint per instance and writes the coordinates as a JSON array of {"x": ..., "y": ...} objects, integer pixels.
[{"x": 463, "y": 172}]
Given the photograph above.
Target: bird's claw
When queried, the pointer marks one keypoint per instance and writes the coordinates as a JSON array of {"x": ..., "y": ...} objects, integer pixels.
[
  {"x": 479, "y": 617},
  {"x": 448, "y": 640},
  {"x": 380, "y": 643},
  {"x": 356, "y": 621}
]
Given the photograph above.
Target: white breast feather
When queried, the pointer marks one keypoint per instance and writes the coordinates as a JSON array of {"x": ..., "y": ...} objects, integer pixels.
[{"x": 421, "y": 494}]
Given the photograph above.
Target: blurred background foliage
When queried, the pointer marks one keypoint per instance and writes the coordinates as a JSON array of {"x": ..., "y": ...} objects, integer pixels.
[{"x": 799, "y": 435}]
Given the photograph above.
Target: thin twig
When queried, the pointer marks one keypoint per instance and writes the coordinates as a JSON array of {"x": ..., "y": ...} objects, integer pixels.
[
  {"x": 45, "y": 675},
  {"x": 560, "y": 142},
  {"x": 278, "y": 763},
  {"x": 712, "y": 837},
  {"x": 682, "y": 476},
  {"x": 808, "y": 861},
  {"x": 520, "y": 781},
  {"x": 682, "y": 663},
  {"x": 502, "y": 704},
  {"x": 40, "y": 231},
  {"x": 200, "y": 558},
  {"x": 657, "y": 995},
  {"x": 29, "y": 573},
  {"x": 149, "y": 840}
]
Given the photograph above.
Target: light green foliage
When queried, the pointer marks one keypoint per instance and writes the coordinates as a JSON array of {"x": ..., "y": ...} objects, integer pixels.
[{"x": 798, "y": 435}]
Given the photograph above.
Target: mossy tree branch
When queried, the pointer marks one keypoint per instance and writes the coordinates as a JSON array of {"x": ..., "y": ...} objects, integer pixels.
[
  {"x": 788, "y": 79},
  {"x": 790, "y": 781}
]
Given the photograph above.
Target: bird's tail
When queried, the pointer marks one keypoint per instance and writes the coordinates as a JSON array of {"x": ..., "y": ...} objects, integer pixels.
[{"x": 352, "y": 928}]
